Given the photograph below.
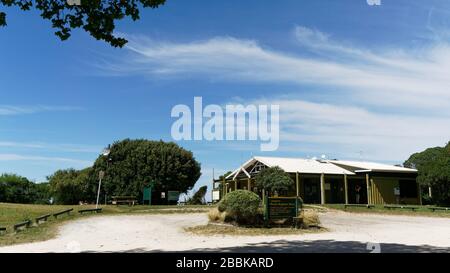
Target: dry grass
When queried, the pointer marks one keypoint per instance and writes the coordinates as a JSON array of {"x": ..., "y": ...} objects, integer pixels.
[
  {"x": 214, "y": 215},
  {"x": 11, "y": 214},
  {"x": 224, "y": 229},
  {"x": 310, "y": 218},
  {"x": 219, "y": 226},
  {"x": 379, "y": 209}
]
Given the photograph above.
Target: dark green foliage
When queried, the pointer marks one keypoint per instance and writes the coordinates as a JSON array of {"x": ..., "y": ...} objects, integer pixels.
[
  {"x": 17, "y": 189},
  {"x": 433, "y": 165},
  {"x": 274, "y": 179},
  {"x": 225, "y": 175},
  {"x": 241, "y": 205},
  {"x": 2, "y": 19},
  {"x": 42, "y": 193},
  {"x": 135, "y": 164},
  {"x": 199, "y": 197},
  {"x": 97, "y": 17},
  {"x": 71, "y": 186}
]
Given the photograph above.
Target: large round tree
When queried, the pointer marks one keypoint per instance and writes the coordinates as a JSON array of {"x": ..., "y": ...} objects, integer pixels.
[
  {"x": 433, "y": 165},
  {"x": 134, "y": 164},
  {"x": 274, "y": 179}
]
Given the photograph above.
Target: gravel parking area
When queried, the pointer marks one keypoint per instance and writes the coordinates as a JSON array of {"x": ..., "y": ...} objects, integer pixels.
[{"x": 348, "y": 232}]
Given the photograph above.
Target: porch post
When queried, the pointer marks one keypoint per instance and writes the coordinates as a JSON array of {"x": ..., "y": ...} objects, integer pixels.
[
  {"x": 419, "y": 192},
  {"x": 235, "y": 184},
  {"x": 346, "y": 189},
  {"x": 224, "y": 190},
  {"x": 249, "y": 185},
  {"x": 263, "y": 198},
  {"x": 322, "y": 189},
  {"x": 368, "y": 189},
  {"x": 297, "y": 184}
]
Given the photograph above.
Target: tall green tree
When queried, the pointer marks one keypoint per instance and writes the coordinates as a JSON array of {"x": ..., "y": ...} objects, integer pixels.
[
  {"x": 135, "y": 164},
  {"x": 199, "y": 196},
  {"x": 18, "y": 189},
  {"x": 15, "y": 189},
  {"x": 42, "y": 193},
  {"x": 433, "y": 165},
  {"x": 274, "y": 179},
  {"x": 97, "y": 17},
  {"x": 71, "y": 186}
]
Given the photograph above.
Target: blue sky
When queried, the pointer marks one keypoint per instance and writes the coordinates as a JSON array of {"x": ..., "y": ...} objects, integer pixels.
[{"x": 353, "y": 81}]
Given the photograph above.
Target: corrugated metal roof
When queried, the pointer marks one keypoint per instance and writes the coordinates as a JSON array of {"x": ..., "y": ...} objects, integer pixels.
[
  {"x": 313, "y": 166},
  {"x": 372, "y": 166},
  {"x": 292, "y": 165}
]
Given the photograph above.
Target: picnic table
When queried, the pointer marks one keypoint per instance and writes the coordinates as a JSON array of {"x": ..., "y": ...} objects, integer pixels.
[{"x": 130, "y": 200}]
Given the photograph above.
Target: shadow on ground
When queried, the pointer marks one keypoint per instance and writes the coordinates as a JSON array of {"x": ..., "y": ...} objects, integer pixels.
[{"x": 318, "y": 246}]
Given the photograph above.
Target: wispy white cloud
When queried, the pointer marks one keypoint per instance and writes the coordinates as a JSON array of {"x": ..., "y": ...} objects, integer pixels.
[
  {"x": 18, "y": 157},
  {"x": 345, "y": 130},
  {"x": 10, "y": 110},
  {"x": 74, "y": 148},
  {"x": 388, "y": 102},
  {"x": 12, "y": 144},
  {"x": 416, "y": 77}
]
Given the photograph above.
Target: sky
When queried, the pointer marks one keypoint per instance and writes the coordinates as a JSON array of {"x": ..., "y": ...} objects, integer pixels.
[{"x": 353, "y": 81}]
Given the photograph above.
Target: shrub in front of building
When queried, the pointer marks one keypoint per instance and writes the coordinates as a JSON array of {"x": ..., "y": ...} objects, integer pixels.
[{"x": 241, "y": 206}]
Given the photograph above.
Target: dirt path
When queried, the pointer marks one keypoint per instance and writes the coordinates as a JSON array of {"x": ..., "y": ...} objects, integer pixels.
[{"x": 348, "y": 233}]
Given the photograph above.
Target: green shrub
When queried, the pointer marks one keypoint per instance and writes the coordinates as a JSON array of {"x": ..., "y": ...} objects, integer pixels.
[
  {"x": 240, "y": 206},
  {"x": 273, "y": 180},
  {"x": 222, "y": 206}
]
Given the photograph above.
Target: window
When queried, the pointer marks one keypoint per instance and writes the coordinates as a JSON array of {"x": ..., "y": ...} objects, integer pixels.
[{"x": 408, "y": 188}]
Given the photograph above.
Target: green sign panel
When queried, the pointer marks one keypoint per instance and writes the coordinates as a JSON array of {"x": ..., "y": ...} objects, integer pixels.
[
  {"x": 173, "y": 195},
  {"x": 147, "y": 195},
  {"x": 281, "y": 208}
]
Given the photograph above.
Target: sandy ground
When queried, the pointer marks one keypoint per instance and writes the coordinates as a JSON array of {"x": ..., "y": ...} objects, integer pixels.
[{"x": 347, "y": 233}]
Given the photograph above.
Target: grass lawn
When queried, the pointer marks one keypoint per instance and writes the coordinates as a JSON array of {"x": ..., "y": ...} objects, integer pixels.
[
  {"x": 422, "y": 211},
  {"x": 219, "y": 230},
  {"x": 11, "y": 214}
]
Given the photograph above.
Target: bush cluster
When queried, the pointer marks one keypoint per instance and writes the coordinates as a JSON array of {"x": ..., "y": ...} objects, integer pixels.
[{"x": 240, "y": 206}]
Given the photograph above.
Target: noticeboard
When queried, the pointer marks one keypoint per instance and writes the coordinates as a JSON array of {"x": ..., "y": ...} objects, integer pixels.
[
  {"x": 282, "y": 208},
  {"x": 147, "y": 195},
  {"x": 173, "y": 195},
  {"x": 216, "y": 195}
]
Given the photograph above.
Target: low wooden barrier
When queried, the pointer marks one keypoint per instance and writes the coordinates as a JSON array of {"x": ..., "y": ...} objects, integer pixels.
[
  {"x": 438, "y": 208},
  {"x": 67, "y": 211},
  {"x": 400, "y": 207},
  {"x": 358, "y": 206},
  {"x": 89, "y": 210},
  {"x": 21, "y": 225},
  {"x": 42, "y": 218}
]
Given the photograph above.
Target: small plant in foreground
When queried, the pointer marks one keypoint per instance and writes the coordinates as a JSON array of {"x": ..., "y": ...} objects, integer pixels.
[{"x": 240, "y": 206}]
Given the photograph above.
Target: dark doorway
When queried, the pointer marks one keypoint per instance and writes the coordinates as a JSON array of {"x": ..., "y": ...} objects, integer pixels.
[
  {"x": 312, "y": 190},
  {"x": 353, "y": 183},
  {"x": 336, "y": 193}
]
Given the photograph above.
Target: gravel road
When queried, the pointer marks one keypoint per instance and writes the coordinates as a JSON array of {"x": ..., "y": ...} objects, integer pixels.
[{"x": 348, "y": 232}]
